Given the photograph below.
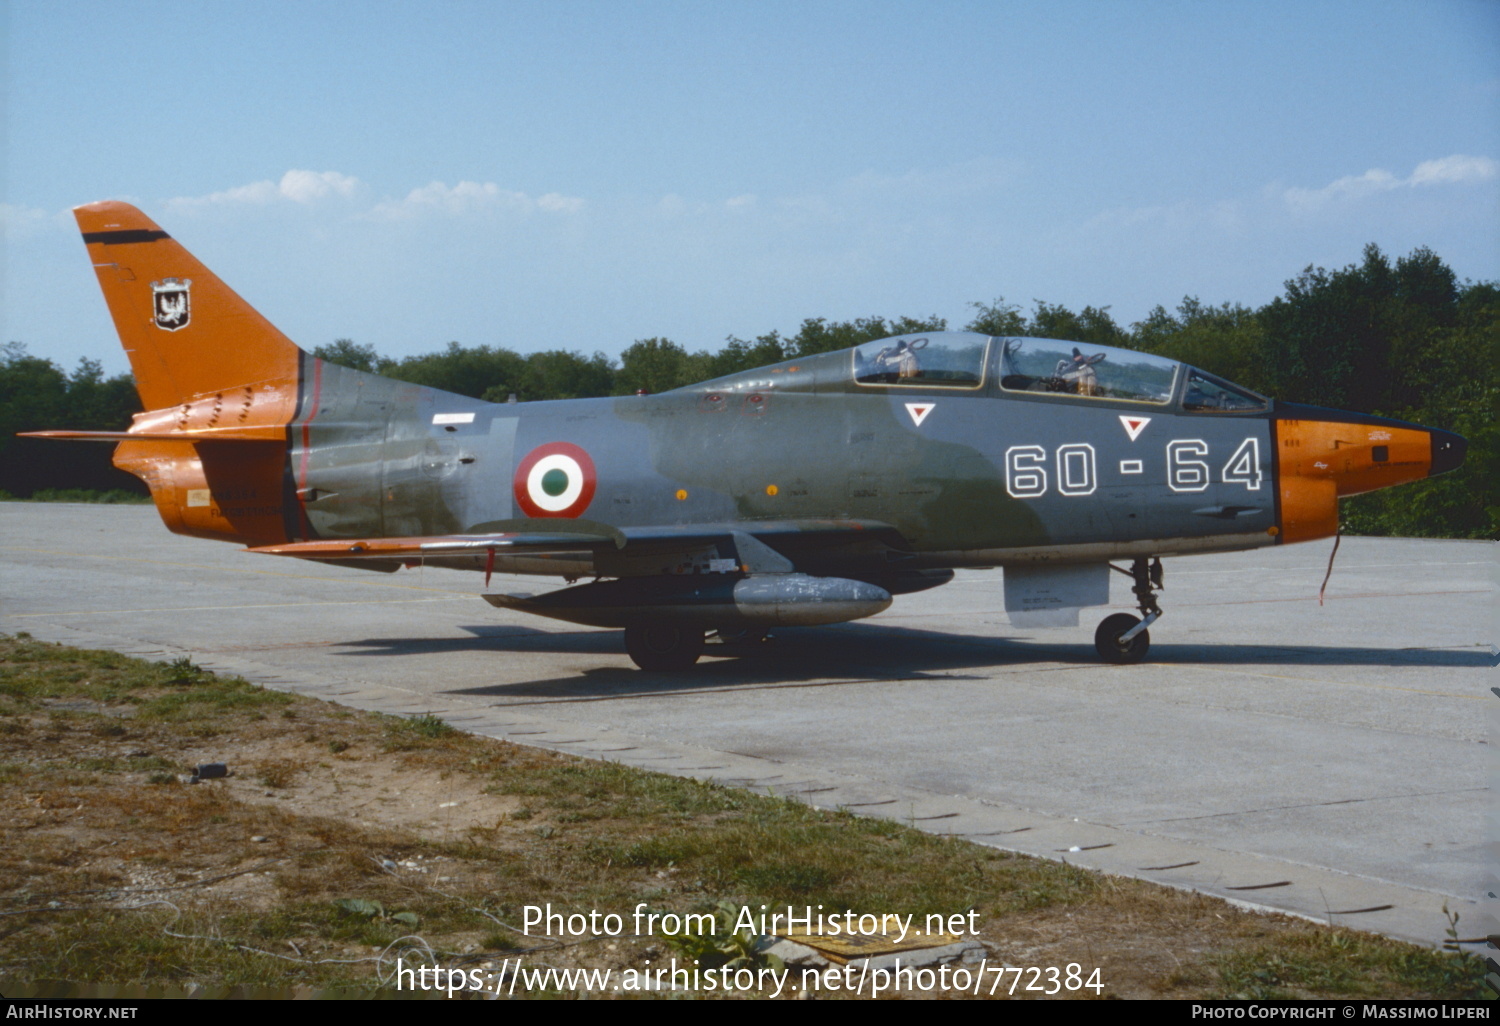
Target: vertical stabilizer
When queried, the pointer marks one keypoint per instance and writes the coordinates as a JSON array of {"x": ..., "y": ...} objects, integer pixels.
[
  {"x": 187, "y": 333},
  {"x": 204, "y": 362}
]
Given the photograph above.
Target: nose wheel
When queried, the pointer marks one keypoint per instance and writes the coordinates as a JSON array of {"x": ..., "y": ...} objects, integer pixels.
[
  {"x": 1110, "y": 643},
  {"x": 1122, "y": 639}
]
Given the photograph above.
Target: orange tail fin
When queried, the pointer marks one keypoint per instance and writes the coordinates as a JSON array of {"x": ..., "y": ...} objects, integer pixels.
[
  {"x": 219, "y": 382},
  {"x": 187, "y": 333}
]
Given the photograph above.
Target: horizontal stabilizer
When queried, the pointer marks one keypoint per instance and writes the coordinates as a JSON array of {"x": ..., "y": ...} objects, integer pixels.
[{"x": 269, "y": 433}]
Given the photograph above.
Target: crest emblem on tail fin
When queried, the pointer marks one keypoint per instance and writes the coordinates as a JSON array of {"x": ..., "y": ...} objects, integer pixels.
[{"x": 170, "y": 302}]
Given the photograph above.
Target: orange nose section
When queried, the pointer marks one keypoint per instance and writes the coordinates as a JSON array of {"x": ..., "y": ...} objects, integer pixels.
[{"x": 1322, "y": 460}]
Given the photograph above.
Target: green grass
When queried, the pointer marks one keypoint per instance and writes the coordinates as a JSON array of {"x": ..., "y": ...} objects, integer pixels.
[
  {"x": 112, "y": 496},
  {"x": 413, "y": 733},
  {"x": 578, "y": 834},
  {"x": 1340, "y": 964}
]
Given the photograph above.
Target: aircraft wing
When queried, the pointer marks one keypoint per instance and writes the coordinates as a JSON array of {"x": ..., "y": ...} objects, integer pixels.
[
  {"x": 751, "y": 546},
  {"x": 437, "y": 545}
]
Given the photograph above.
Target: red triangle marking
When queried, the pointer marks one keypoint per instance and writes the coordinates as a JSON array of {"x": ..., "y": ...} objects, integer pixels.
[{"x": 1134, "y": 425}]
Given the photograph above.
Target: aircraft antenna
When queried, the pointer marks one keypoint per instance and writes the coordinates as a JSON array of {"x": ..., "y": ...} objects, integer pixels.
[{"x": 1337, "y": 535}]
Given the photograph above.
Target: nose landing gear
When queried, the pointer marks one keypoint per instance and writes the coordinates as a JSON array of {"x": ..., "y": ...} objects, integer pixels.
[{"x": 1121, "y": 638}]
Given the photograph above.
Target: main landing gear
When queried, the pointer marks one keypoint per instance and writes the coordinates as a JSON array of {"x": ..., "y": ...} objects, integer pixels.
[
  {"x": 667, "y": 646},
  {"x": 664, "y": 646},
  {"x": 1122, "y": 638}
]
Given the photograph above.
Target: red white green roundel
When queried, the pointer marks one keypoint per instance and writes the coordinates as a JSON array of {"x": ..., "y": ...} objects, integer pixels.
[{"x": 555, "y": 480}]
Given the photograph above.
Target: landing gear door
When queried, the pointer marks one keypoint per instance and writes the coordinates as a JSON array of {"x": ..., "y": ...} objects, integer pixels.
[{"x": 1050, "y": 596}]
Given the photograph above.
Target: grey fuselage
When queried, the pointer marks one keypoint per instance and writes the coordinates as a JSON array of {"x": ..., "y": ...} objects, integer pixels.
[{"x": 984, "y": 475}]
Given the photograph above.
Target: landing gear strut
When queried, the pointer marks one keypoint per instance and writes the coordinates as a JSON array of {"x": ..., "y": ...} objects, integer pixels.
[
  {"x": 1122, "y": 638},
  {"x": 664, "y": 646}
]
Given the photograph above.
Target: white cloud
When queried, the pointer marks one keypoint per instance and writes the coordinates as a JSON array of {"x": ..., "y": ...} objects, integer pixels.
[
  {"x": 296, "y": 185},
  {"x": 557, "y": 203},
  {"x": 463, "y": 197},
  {"x": 473, "y": 197},
  {"x": 1454, "y": 169},
  {"x": 1374, "y": 181},
  {"x": 255, "y": 192},
  {"x": 306, "y": 186},
  {"x": 1457, "y": 168}
]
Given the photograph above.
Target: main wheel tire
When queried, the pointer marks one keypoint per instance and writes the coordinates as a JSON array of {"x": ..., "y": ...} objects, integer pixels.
[
  {"x": 1112, "y": 649},
  {"x": 664, "y": 646}
]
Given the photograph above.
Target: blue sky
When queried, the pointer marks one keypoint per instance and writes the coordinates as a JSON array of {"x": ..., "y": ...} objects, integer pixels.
[{"x": 579, "y": 175}]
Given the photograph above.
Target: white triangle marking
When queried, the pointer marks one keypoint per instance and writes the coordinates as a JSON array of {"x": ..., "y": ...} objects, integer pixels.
[
  {"x": 1134, "y": 425},
  {"x": 919, "y": 411}
]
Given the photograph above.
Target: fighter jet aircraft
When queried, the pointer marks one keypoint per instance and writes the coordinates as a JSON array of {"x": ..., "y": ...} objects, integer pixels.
[{"x": 808, "y": 492}]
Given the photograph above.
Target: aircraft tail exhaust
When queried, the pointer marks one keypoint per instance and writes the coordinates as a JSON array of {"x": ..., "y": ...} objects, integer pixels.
[{"x": 187, "y": 334}]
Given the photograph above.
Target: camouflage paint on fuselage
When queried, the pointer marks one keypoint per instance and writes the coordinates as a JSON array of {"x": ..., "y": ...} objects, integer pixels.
[{"x": 987, "y": 474}]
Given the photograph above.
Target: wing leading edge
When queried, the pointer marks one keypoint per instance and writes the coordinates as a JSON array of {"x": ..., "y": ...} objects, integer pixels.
[{"x": 738, "y": 547}]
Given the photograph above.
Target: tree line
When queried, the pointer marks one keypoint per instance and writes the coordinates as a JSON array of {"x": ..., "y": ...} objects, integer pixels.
[{"x": 1402, "y": 338}]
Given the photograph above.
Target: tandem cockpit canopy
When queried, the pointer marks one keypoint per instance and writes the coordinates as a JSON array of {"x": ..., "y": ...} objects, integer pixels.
[
  {"x": 1208, "y": 394},
  {"x": 1104, "y": 372},
  {"x": 960, "y": 360},
  {"x": 1081, "y": 369},
  {"x": 947, "y": 359}
]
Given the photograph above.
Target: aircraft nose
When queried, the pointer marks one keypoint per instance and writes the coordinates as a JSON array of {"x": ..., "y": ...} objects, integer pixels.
[
  {"x": 1448, "y": 452},
  {"x": 1326, "y": 455}
]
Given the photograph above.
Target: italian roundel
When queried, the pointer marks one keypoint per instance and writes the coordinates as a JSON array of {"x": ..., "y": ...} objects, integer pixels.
[{"x": 555, "y": 480}]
